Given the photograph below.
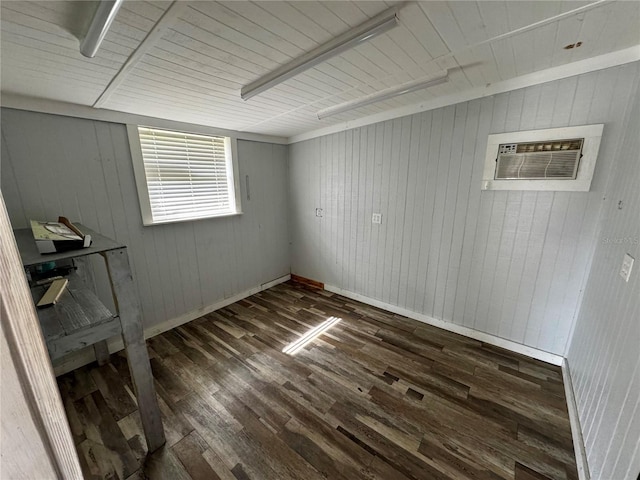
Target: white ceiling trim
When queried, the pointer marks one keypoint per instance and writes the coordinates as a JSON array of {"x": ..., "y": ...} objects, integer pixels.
[
  {"x": 21, "y": 102},
  {"x": 621, "y": 57},
  {"x": 167, "y": 19}
]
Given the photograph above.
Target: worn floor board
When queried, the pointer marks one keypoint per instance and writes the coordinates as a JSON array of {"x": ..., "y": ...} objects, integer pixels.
[{"x": 378, "y": 396}]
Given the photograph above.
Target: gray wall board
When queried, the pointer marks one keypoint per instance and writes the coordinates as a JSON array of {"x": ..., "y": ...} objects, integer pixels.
[
  {"x": 603, "y": 355},
  {"x": 508, "y": 263},
  {"x": 55, "y": 165}
]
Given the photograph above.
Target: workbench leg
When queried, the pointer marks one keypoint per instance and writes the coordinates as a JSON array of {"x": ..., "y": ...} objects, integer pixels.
[
  {"x": 128, "y": 308},
  {"x": 102, "y": 352}
]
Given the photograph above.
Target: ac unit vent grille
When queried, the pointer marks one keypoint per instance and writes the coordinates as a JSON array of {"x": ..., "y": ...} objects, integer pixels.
[{"x": 556, "y": 160}]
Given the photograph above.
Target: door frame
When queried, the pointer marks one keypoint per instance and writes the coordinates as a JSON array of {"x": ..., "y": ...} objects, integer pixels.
[{"x": 29, "y": 354}]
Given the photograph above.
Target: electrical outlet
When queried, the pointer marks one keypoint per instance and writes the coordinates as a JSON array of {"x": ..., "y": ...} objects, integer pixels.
[
  {"x": 376, "y": 218},
  {"x": 318, "y": 212},
  {"x": 627, "y": 265}
]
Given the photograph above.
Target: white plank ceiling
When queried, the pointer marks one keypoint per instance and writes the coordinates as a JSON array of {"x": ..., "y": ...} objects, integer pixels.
[{"x": 193, "y": 68}]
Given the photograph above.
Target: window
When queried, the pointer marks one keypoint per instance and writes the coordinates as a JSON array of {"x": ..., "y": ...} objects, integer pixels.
[{"x": 183, "y": 176}]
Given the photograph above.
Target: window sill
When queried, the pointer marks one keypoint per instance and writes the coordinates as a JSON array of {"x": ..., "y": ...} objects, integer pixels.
[{"x": 168, "y": 222}]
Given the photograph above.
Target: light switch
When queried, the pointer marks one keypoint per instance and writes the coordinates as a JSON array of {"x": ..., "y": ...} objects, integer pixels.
[
  {"x": 318, "y": 212},
  {"x": 627, "y": 265},
  {"x": 376, "y": 218}
]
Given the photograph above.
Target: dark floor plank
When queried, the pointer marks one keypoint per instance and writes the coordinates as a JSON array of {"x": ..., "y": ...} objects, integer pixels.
[
  {"x": 189, "y": 451},
  {"x": 119, "y": 399},
  {"x": 377, "y": 397}
]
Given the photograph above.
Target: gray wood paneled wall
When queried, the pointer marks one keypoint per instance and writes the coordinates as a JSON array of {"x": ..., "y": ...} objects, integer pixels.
[
  {"x": 511, "y": 264},
  {"x": 54, "y": 165},
  {"x": 604, "y": 355}
]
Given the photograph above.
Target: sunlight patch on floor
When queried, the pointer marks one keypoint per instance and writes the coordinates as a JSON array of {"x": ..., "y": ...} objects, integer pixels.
[{"x": 310, "y": 336}]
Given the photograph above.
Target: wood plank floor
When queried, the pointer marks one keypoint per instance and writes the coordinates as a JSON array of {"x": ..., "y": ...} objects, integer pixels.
[{"x": 377, "y": 396}]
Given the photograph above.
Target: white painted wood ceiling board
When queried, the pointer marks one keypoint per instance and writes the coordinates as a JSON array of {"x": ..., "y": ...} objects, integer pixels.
[
  {"x": 203, "y": 19},
  {"x": 341, "y": 67},
  {"x": 199, "y": 65},
  {"x": 445, "y": 24},
  {"x": 256, "y": 54},
  {"x": 216, "y": 107},
  {"x": 415, "y": 20},
  {"x": 525, "y": 52},
  {"x": 54, "y": 44},
  {"x": 196, "y": 74},
  {"x": 398, "y": 44},
  {"x": 40, "y": 50},
  {"x": 333, "y": 25},
  {"x": 235, "y": 15},
  {"x": 164, "y": 110},
  {"x": 264, "y": 37},
  {"x": 193, "y": 79},
  {"x": 567, "y": 33},
  {"x": 473, "y": 61},
  {"x": 528, "y": 12},
  {"x": 256, "y": 14},
  {"x": 457, "y": 78},
  {"x": 316, "y": 87},
  {"x": 543, "y": 38},
  {"x": 208, "y": 101},
  {"x": 151, "y": 11},
  {"x": 621, "y": 29},
  {"x": 161, "y": 67},
  {"x": 504, "y": 57},
  {"x": 14, "y": 47},
  {"x": 45, "y": 75},
  {"x": 42, "y": 86},
  {"x": 591, "y": 29},
  {"x": 470, "y": 22},
  {"x": 180, "y": 51},
  {"x": 494, "y": 17},
  {"x": 483, "y": 55},
  {"x": 43, "y": 22}
]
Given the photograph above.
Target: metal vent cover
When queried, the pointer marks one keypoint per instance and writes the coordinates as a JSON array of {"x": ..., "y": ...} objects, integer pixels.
[{"x": 557, "y": 160}]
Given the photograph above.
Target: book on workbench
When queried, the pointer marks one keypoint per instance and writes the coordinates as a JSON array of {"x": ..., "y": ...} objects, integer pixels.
[{"x": 60, "y": 236}]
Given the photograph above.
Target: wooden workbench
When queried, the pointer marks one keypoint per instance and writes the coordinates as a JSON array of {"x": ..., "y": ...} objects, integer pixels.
[{"x": 79, "y": 319}]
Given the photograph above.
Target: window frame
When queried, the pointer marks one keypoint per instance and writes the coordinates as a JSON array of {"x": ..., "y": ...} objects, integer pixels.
[{"x": 141, "y": 177}]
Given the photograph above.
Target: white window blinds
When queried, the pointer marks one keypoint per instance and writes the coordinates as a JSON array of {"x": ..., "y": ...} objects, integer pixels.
[{"x": 188, "y": 176}]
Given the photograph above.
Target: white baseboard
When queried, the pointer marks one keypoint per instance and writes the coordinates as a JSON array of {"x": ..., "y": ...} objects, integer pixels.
[
  {"x": 548, "y": 357},
  {"x": 86, "y": 356},
  {"x": 574, "y": 420}
]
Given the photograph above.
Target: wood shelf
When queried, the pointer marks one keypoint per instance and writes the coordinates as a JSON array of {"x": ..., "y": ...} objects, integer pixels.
[{"x": 77, "y": 320}]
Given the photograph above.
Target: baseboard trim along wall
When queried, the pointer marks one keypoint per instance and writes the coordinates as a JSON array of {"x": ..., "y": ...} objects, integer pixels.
[
  {"x": 574, "y": 420},
  {"x": 451, "y": 327},
  {"x": 307, "y": 281},
  {"x": 87, "y": 356}
]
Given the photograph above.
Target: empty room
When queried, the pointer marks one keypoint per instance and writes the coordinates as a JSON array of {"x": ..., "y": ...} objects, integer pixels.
[{"x": 300, "y": 240}]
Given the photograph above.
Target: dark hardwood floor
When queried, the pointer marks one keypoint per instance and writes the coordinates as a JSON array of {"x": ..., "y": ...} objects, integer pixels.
[{"x": 377, "y": 396}]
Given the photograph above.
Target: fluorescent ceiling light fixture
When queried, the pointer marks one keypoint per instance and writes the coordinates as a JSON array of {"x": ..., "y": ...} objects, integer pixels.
[
  {"x": 385, "y": 94},
  {"x": 102, "y": 20},
  {"x": 310, "y": 336},
  {"x": 365, "y": 31}
]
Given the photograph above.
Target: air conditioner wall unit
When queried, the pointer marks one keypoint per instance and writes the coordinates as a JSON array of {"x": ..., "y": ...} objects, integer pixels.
[{"x": 555, "y": 159}]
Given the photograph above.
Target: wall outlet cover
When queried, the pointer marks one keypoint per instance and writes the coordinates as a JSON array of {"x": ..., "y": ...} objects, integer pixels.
[
  {"x": 627, "y": 265},
  {"x": 376, "y": 218},
  {"x": 318, "y": 212}
]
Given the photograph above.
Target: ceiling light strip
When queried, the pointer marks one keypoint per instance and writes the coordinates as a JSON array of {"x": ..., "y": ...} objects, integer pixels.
[
  {"x": 365, "y": 31},
  {"x": 102, "y": 20},
  {"x": 385, "y": 94}
]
